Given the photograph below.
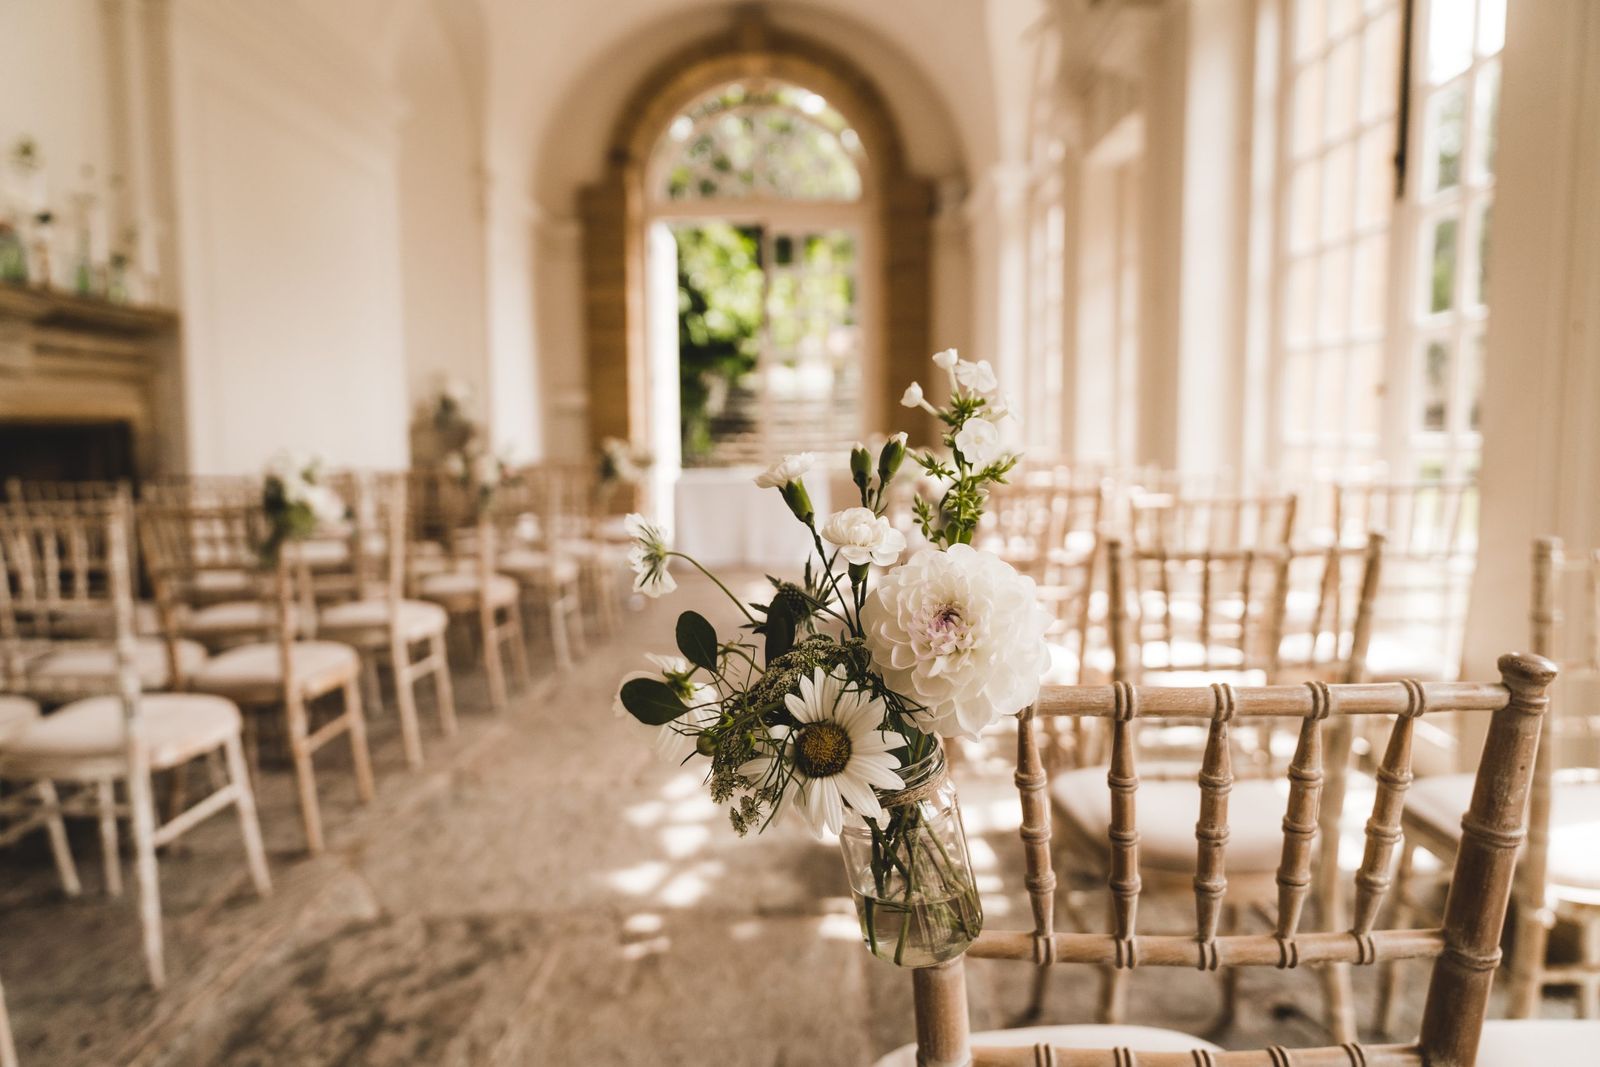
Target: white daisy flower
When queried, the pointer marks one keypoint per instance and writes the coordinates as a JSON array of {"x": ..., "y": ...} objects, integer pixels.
[
  {"x": 836, "y": 753},
  {"x": 648, "y": 557}
]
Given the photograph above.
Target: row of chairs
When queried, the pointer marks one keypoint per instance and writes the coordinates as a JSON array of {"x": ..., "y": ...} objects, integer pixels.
[{"x": 153, "y": 686}]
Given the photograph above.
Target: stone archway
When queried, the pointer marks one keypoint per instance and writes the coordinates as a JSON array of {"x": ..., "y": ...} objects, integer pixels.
[{"x": 613, "y": 214}]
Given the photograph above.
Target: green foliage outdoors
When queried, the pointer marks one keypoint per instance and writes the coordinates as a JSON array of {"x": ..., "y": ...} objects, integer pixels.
[{"x": 719, "y": 314}]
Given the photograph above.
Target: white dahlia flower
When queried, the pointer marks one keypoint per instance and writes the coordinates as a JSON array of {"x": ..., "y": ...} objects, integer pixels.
[
  {"x": 864, "y": 537},
  {"x": 961, "y": 633}
]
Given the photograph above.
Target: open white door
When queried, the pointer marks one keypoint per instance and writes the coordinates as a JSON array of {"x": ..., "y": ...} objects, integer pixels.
[{"x": 662, "y": 434}]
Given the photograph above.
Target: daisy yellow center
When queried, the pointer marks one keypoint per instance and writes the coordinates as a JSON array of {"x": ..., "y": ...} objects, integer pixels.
[{"x": 822, "y": 749}]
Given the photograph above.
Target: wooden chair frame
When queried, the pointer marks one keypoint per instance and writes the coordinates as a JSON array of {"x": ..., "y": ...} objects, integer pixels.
[{"x": 1465, "y": 950}]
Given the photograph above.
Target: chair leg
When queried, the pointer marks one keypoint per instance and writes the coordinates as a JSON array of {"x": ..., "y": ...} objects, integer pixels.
[
  {"x": 304, "y": 773},
  {"x": 8, "y": 1047},
  {"x": 255, "y": 851},
  {"x": 56, "y": 831},
  {"x": 493, "y": 666},
  {"x": 371, "y": 681},
  {"x": 1589, "y": 990},
  {"x": 405, "y": 696},
  {"x": 142, "y": 820},
  {"x": 1388, "y": 973},
  {"x": 359, "y": 751},
  {"x": 1527, "y": 963},
  {"x": 560, "y": 640},
  {"x": 106, "y": 810},
  {"x": 519, "y": 646},
  {"x": 444, "y": 690}
]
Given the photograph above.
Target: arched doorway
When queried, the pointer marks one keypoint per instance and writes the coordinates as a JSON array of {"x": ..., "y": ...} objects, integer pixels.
[{"x": 753, "y": 70}]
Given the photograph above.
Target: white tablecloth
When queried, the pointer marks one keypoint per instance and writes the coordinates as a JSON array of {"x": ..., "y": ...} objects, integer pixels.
[{"x": 723, "y": 520}]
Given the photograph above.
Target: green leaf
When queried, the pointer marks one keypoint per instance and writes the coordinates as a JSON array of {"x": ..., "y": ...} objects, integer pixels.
[
  {"x": 780, "y": 628},
  {"x": 697, "y": 640},
  {"x": 652, "y": 701}
]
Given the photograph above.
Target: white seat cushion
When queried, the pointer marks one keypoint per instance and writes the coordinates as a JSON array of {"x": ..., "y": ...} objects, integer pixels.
[
  {"x": 80, "y": 666},
  {"x": 460, "y": 585},
  {"x": 413, "y": 618},
  {"x": 222, "y": 581},
  {"x": 1443, "y": 799},
  {"x": 177, "y": 727},
  {"x": 15, "y": 713},
  {"x": 1137, "y": 1038},
  {"x": 1546, "y": 1042},
  {"x": 321, "y": 552},
  {"x": 255, "y": 671},
  {"x": 1395, "y": 657},
  {"x": 1168, "y": 806},
  {"x": 231, "y": 617},
  {"x": 532, "y": 565}
]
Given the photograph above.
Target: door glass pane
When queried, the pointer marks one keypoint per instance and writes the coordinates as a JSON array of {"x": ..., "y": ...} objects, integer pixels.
[
  {"x": 1307, "y": 110},
  {"x": 1472, "y": 379},
  {"x": 1300, "y": 320},
  {"x": 1375, "y": 175},
  {"x": 1338, "y": 195},
  {"x": 1333, "y": 299},
  {"x": 1341, "y": 90},
  {"x": 1435, "y": 385},
  {"x": 1305, "y": 205},
  {"x": 1446, "y": 115},
  {"x": 1366, "y": 389},
  {"x": 1380, "y": 66},
  {"x": 1371, "y": 278},
  {"x": 1481, "y": 288},
  {"x": 1491, "y": 26},
  {"x": 1484, "y": 113},
  {"x": 1310, "y": 24},
  {"x": 1449, "y": 38},
  {"x": 1297, "y": 410},
  {"x": 1330, "y": 393},
  {"x": 1441, "y": 291}
]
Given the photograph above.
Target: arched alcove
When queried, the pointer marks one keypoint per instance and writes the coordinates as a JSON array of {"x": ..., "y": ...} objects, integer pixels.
[{"x": 613, "y": 212}]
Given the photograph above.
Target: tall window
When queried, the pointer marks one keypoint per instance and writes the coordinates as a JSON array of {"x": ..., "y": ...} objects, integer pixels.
[
  {"x": 1455, "y": 96},
  {"x": 1336, "y": 144},
  {"x": 762, "y": 185},
  {"x": 1380, "y": 314}
]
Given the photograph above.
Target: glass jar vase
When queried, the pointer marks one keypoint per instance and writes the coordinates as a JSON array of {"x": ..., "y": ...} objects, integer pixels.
[{"x": 911, "y": 875}]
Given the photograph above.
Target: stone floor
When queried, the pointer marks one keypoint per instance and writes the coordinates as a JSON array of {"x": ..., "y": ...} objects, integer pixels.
[{"x": 543, "y": 892}]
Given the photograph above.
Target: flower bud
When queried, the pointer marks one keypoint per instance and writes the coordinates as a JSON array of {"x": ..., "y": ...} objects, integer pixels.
[
  {"x": 705, "y": 744},
  {"x": 860, "y": 465},
  {"x": 799, "y": 501},
  {"x": 889, "y": 460}
]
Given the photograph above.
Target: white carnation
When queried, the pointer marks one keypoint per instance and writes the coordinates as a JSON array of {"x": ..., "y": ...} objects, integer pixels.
[
  {"x": 961, "y": 633},
  {"x": 788, "y": 469},
  {"x": 864, "y": 537},
  {"x": 979, "y": 442}
]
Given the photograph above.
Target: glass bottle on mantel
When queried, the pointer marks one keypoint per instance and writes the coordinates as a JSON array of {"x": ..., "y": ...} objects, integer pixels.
[{"x": 911, "y": 875}]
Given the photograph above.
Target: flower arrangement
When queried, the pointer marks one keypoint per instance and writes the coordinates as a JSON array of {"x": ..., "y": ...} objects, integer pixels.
[
  {"x": 479, "y": 472},
  {"x": 622, "y": 464},
  {"x": 832, "y": 700},
  {"x": 296, "y": 503}
]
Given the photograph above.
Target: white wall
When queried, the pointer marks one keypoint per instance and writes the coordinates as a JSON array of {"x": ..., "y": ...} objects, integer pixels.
[
  {"x": 285, "y": 161},
  {"x": 443, "y": 258}
]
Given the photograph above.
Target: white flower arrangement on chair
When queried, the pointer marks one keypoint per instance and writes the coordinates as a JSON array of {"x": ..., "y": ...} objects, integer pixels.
[
  {"x": 832, "y": 700},
  {"x": 296, "y": 502}
]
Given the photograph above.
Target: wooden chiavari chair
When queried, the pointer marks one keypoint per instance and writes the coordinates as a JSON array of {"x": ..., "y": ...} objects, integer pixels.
[
  {"x": 1432, "y": 550},
  {"x": 1247, "y": 646},
  {"x": 121, "y": 734},
  {"x": 1464, "y": 951},
  {"x": 382, "y": 622},
  {"x": 1176, "y": 521},
  {"x": 34, "y": 491},
  {"x": 471, "y": 587},
  {"x": 585, "y": 531},
  {"x": 544, "y": 517},
  {"x": 1559, "y": 876},
  {"x": 282, "y": 670}
]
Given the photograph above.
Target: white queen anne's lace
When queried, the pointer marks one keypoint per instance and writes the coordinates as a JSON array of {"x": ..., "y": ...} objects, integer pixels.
[{"x": 960, "y": 632}]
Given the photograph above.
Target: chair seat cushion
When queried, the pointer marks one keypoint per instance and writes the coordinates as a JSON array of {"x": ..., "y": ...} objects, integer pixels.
[
  {"x": 532, "y": 565},
  {"x": 255, "y": 671},
  {"x": 1136, "y": 1038},
  {"x": 79, "y": 666},
  {"x": 453, "y": 586},
  {"x": 1441, "y": 801},
  {"x": 177, "y": 727},
  {"x": 413, "y": 618},
  {"x": 15, "y": 713},
  {"x": 231, "y": 617},
  {"x": 1168, "y": 806},
  {"x": 1548, "y": 1042},
  {"x": 1398, "y": 656}
]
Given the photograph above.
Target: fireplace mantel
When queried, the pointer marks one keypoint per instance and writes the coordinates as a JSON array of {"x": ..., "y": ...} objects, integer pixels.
[{"x": 65, "y": 358}]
